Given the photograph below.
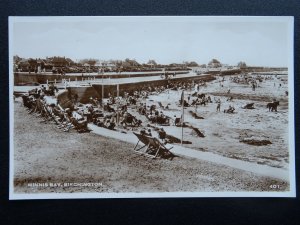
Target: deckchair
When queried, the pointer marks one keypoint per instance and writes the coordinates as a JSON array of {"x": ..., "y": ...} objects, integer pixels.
[
  {"x": 154, "y": 148},
  {"x": 160, "y": 105},
  {"x": 248, "y": 106}
]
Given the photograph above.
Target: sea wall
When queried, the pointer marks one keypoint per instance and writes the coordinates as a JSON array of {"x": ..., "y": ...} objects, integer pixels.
[
  {"x": 95, "y": 91},
  {"x": 42, "y": 78},
  {"x": 131, "y": 87},
  {"x": 224, "y": 72},
  {"x": 24, "y": 78}
]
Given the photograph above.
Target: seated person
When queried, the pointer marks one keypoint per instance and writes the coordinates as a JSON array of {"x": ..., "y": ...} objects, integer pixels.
[
  {"x": 231, "y": 109},
  {"x": 162, "y": 134},
  {"x": 111, "y": 125},
  {"x": 99, "y": 122},
  {"x": 185, "y": 103},
  {"x": 143, "y": 132}
]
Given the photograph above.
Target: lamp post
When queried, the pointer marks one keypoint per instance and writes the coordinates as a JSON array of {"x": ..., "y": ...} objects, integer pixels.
[{"x": 102, "y": 94}]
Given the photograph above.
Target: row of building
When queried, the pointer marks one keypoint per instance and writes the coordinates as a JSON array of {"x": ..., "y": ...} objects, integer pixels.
[
  {"x": 58, "y": 64},
  {"x": 49, "y": 64}
]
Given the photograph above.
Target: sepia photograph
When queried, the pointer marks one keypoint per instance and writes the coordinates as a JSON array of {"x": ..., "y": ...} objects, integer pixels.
[{"x": 151, "y": 106}]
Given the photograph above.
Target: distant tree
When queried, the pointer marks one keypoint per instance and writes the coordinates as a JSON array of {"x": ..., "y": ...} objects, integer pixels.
[
  {"x": 130, "y": 62},
  {"x": 242, "y": 65},
  {"x": 135, "y": 63},
  {"x": 70, "y": 61},
  {"x": 214, "y": 63},
  {"x": 126, "y": 63},
  {"x": 192, "y": 64},
  {"x": 17, "y": 59},
  {"x": 92, "y": 62},
  {"x": 152, "y": 62}
]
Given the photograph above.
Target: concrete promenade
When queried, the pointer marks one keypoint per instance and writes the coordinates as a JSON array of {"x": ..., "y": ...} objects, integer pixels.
[
  {"x": 263, "y": 170},
  {"x": 114, "y": 81}
]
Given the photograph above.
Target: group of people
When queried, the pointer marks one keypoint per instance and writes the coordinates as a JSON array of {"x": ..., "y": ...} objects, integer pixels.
[
  {"x": 44, "y": 90},
  {"x": 116, "y": 109},
  {"x": 124, "y": 111},
  {"x": 158, "y": 117},
  {"x": 168, "y": 75},
  {"x": 201, "y": 99},
  {"x": 162, "y": 135},
  {"x": 112, "y": 112},
  {"x": 36, "y": 102}
]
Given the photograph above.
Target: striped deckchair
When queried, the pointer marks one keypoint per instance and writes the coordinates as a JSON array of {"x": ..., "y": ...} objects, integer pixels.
[{"x": 153, "y": 148}]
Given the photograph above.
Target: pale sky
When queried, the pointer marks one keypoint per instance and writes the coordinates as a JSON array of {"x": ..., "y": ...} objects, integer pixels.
[{"x": 259, "y": 41}]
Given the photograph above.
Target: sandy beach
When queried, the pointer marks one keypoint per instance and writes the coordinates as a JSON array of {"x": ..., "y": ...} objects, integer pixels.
[
  {"x": 224, "y": 133},
  {"x": 45, "y": 154}
]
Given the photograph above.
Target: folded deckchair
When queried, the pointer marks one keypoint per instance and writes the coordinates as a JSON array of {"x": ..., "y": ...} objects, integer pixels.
[{"x": 153, "y": 147}]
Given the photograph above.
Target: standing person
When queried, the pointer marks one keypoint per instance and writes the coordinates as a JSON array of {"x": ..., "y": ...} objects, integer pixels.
[
  {"x": 218, "y": 105},
  {"x": 75, "y": 99},
  {"x": 209, "y": 99},
  {"x": 253, "y": 86}
]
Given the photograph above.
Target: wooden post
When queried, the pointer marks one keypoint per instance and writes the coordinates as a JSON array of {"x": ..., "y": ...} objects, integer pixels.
[
  {"x": 182, "y": 116},
  {"x": 118, "y": 92}
]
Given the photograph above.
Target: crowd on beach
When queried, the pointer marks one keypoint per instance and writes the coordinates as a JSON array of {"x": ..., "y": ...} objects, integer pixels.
[
  {"x": 129, "y": 111},
  {"x": 109, "y": 113}
]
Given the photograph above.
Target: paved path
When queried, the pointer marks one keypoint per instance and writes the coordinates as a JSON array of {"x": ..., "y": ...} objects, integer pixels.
[
  {"x": 106, "y": 81},
  {"x": 263, "y": 170}
]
